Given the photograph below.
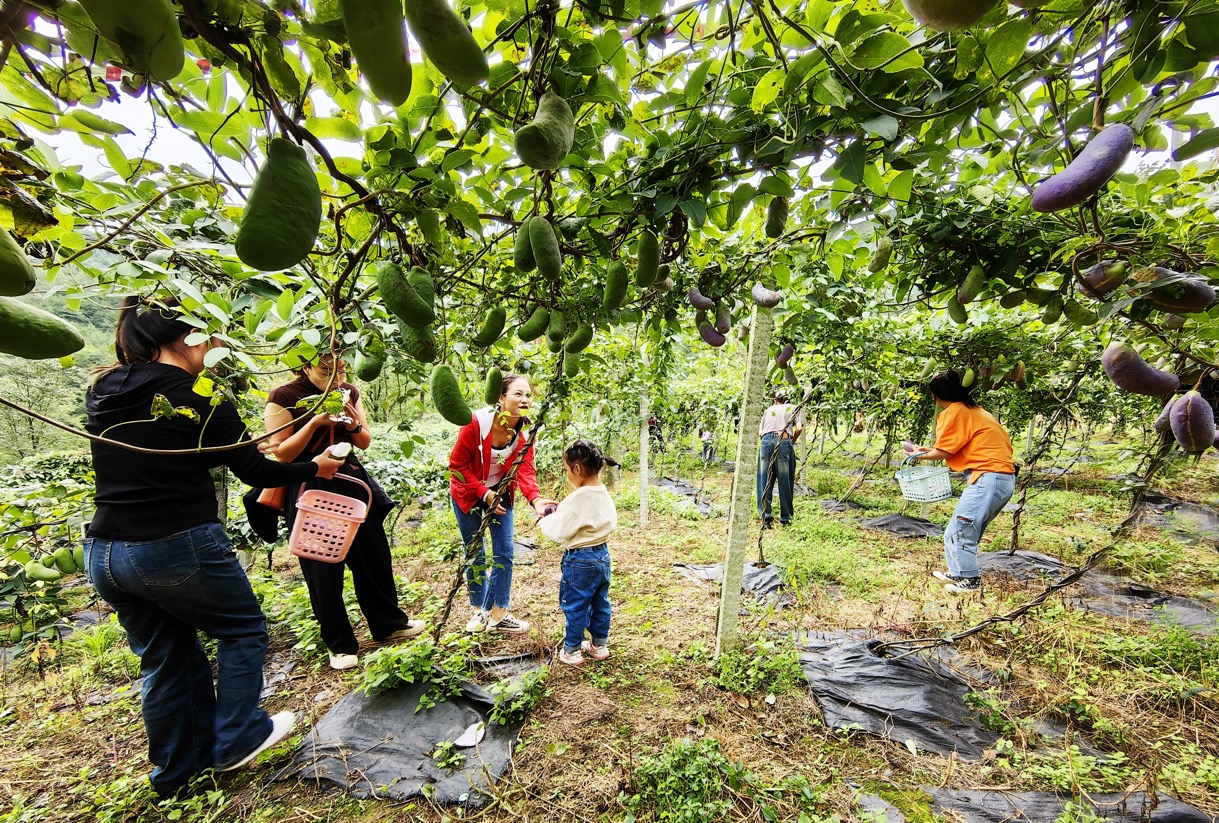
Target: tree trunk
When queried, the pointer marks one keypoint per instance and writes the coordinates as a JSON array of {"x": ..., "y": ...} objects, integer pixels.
[
  {"x": 644, "y": 445},
  {"x": 740, "y": 515}
]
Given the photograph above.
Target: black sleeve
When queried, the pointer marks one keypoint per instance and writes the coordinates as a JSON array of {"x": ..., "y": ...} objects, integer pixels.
[{"x": 225, "y": 428}]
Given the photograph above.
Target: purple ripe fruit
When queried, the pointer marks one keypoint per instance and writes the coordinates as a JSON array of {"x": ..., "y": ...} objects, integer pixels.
[
  {"x": 764, "y": 297},
  {"x": 1088, "y": 172},
  {"x": 710, "y": 336},
  {"x": 698, "y": 300},
  {"x": 1131, "y": 372},
  {"x": 1193, "y": 422},
  {"x": 784, "y": 356}
]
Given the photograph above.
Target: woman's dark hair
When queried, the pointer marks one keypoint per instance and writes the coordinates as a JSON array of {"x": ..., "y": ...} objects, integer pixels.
[
  {"x": 145, "y": 327},
  {"x": 947, "y": 387},
  {"x": 586, "y": 454}
]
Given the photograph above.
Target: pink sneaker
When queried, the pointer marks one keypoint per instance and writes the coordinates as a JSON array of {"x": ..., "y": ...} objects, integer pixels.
[
  {"x": 594, "y": 651},
  {"x": 571, "y": 658}
]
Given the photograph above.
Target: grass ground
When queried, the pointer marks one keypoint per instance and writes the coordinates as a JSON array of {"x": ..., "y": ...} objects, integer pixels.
[{"x": 661, "y": 730}]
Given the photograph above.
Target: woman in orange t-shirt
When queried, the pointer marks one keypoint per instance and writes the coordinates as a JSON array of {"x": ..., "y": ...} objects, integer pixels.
[{"x": 969, "y": 439}]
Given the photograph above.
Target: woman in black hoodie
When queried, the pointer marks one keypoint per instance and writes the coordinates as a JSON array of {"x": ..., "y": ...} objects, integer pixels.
[{"x": 157, "y": 553}]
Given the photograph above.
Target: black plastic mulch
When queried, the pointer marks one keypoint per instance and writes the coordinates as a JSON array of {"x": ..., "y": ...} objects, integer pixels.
[
  {"x": 912, "y": 698},
  {"x": 903, "y": 526},
  {"x": 377, "y": 746},
  {"x": 684, "y": 488},
  {"x": 1190, "y": 522},
  {"x": 761, "y": 580},
  {"x": 1108, "y": 594},
  {"x": 978, "y": 806}
]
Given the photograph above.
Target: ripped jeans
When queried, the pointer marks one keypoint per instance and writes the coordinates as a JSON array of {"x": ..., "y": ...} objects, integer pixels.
[{"x": 979, "y": 504}]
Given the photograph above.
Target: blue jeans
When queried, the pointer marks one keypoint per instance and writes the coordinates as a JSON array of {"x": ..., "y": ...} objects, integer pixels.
[
  {"x": 488, "y": 581},
  {"x": 584, "y": 595},
  {"x": 781, "y": 476},
  {"x": 165, "y": 591},
  {"x": 979, "y": 504}
]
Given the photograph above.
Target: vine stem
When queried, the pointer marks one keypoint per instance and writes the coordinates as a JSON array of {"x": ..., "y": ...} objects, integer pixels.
[{"x": 139, "y": 212}]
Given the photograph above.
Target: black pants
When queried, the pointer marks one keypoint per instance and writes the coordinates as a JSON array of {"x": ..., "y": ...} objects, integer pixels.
[{"x": 372, "y": 573}]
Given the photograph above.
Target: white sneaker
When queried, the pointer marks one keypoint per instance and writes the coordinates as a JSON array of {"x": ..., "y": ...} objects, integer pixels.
[
  {"x": 413, "y": 629},
  {"x": 478, "y": 622},
  {"x": 338, "y": 662},
  {"x": 281, "y": 724}
]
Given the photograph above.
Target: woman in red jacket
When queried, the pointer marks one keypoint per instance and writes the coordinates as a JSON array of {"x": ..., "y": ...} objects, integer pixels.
[{"x": 486, "y": 450}]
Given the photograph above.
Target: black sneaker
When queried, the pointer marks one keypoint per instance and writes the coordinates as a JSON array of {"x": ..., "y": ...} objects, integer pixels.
[
  {"x": 508, "y": 624},
  {"x": 965, "y": 585}
]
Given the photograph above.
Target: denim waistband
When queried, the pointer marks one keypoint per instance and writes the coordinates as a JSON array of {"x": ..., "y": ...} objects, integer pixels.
[
  {"x": 775, "y": 434},
  {"x": 597, "y": 547}
]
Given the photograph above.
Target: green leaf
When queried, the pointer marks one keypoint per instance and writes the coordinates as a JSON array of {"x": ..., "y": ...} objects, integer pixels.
[
  {"x": 116, "y": 158},
  {"x": 778, "y": 186},
  {"x": 334, "y": 128},
  {"x": 1005, "y": 48},
  {"x": 899, "y": 187},
  {"x": 214, "y": 356},
  {"x": 212, "y": 126},
  {"x": 1199, "y": 144},
  {"x": 696, "y": 210},
  {"x": 828, "y": 92},
  {"x": 850, "y": 163},
  {"x": 885, "y": 126},
  {"x": 880, "y": 51},
  {"x": 767, "y": 90},
  {"x": 466, "y": 213}
]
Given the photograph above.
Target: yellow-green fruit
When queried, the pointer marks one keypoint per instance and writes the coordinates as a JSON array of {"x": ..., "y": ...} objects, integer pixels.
[
  {"x": 971, "y": 285},
  {"x": 64, "y": 561},
  {"x": 28, "y": 331},
  {"x": 928, "y": 369},
  {"x": 446, "y": 41},
  {"x": 34, "y": 570},
  {"x": 571, "y": 365},
  {"x": 78, "y": 554},
  {"x": 648, "y": 265},
  {"x": 494, "y": 388},
  {"x": 423, "y": 285},
  {"x": 446, "y": 395},
  {"x": 948, "y": 15},
  {"x": 956, "y": 311},
  {"x": 419, "y": 343},
  {"x": 616, "y": 282},
  {"x": 1013, "y": 299},
  {"x": 967, "y": 379},
  {"x": 1017, "y": 372},
  {"x": 284, "y": 212},
  {"x": 880, "y": 257},
  {"x": 535, "y": 326},
  {"x": 1079, "y": 314},
  {"x": 378, "y": 42},
  {"x": 492, "y": 327},
  {"x": 145, "y": 31},
  {"x": 554, "y": 346},
  {"x": 15, "y": 634},
  {"x": 368, "y": 366},
  {"x": 776, "y": 216},
  {"x": 1038, "y": 297},
  {"x": 16, "y": 273},
  {"x": 579, "y": 339},
  {"x": 546, "y": 141},
  {"x": 556, "y": 329},
  {"x": 522, "y": 252},
  {"x": 545, "y": 245},
  {"x": 402, "y": 298},
  {"x": 1051, "y": 310}
]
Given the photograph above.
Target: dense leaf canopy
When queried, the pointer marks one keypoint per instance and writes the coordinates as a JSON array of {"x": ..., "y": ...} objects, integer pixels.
[{"x": 691, "y": 120}]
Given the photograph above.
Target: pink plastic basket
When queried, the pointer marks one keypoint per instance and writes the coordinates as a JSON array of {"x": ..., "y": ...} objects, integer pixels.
[{"x": 326, "y": 523}]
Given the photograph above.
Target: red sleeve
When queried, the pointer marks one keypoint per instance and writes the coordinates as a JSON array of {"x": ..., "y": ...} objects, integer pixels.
[
  {"x": 526, "y": 477},
  {"x": 464, "y": 481}
]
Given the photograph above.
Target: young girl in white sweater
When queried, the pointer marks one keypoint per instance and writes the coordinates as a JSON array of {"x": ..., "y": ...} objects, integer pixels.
[{"x": 582, "y": 523}]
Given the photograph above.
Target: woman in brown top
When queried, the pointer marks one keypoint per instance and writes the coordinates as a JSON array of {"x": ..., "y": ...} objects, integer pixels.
[{"x": 369, "y": 557}]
